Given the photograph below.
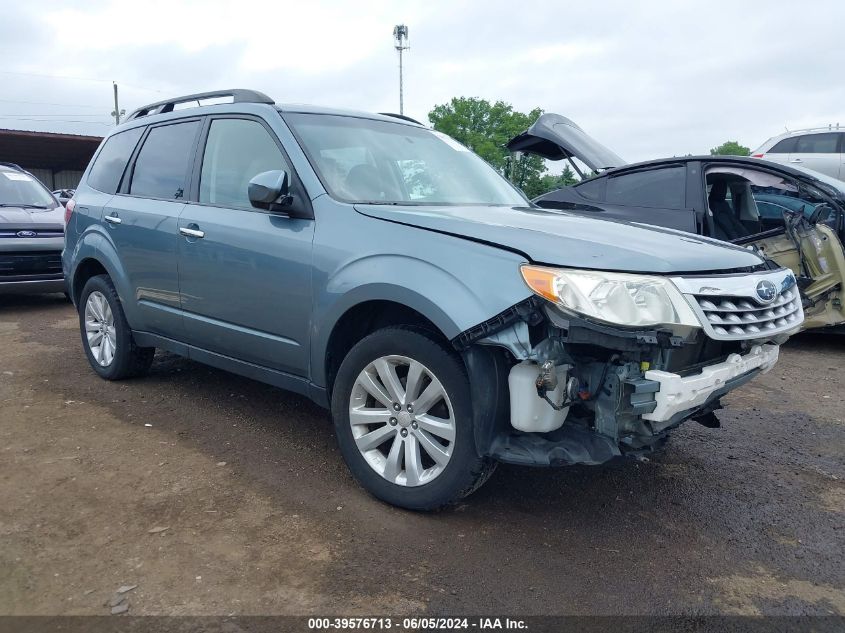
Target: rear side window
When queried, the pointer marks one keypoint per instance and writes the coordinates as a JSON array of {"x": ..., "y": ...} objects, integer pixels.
[
  {"x": 237, "y": 150},
  {"x": 161, "y": 169},
  {"x": 111, "y": 161},
  {"x": 786, "y": 146},
  {"x": 591, "y": 189},
  {"x": 827, "y": 143},
  {"x": 660, "y": 188}
]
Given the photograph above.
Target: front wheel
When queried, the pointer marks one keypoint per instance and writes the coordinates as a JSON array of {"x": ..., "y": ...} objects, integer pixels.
[
  {"x": 106, "y": 335},
  {"x": 403, "y": 417}
]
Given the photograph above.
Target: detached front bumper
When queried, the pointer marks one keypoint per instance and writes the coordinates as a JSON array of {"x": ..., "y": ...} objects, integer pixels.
[{"x": 678, "y": 394}]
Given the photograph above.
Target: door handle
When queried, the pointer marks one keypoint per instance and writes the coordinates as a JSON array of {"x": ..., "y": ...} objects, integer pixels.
[
  {"x": 112, "y": 219},
  {"x": 796, "y": 160},
  {"x": 191, "y": 232}
]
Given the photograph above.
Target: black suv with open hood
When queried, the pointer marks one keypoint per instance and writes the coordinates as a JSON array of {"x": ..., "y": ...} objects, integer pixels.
[{"x": 791, "y": 216}]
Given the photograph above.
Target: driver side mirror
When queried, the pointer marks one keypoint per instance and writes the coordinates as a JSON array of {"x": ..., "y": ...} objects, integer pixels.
[{"x": 269, "y": 190}]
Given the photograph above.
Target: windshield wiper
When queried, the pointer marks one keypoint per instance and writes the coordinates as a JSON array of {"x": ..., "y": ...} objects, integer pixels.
[{"x": 25, "y": 206}]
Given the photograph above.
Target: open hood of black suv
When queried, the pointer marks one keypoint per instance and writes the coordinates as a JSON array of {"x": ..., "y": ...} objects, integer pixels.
[
  {"x": 564, "y": 239},
  {"x": 555, "y": 137}
]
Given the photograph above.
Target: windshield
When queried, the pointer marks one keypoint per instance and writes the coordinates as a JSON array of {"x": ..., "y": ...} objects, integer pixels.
[
  {"x": 363, "y": 160},
  {"x": 18, "y": 189}
]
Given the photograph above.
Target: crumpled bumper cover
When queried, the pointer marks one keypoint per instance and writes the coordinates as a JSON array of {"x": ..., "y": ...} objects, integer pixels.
[{"x": 682, "y": 393}]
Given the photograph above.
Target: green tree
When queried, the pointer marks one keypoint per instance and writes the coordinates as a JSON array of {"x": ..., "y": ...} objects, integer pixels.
[
  {"x": 485, "y": 127},
  {"x": 730, "y": 148}
]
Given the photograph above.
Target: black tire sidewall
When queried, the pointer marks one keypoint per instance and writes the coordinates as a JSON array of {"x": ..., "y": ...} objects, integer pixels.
[
  {"x": 462, "y": 471},
  {"x": 122, "y": 362}
]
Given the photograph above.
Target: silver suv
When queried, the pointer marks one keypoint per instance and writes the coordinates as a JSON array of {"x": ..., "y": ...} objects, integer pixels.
[
  {"x": 820, "y": 149},
  {"x": 31, "y": 234}
]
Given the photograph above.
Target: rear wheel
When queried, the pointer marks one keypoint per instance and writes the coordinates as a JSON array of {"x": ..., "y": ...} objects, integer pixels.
[
  {"x": 403, "y": 417},
  {"x": 106, "y": 335}
]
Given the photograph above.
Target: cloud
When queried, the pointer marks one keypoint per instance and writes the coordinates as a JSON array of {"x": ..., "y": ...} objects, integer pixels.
[{"x": 648, "y": 79}]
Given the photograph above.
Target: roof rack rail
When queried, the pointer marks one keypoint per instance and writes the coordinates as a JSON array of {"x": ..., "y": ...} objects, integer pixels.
[
  {"x": 830, "y": 127},
  {"x": 400, "y": 116},
  {"x": 14, "y": 165},
  {"x": 238, "y": 95}
]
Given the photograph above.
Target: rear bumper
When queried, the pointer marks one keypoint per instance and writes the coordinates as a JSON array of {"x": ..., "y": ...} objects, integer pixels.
[
  {"x": 684, "y": 393},
  {"x": 38, "y": 286}
]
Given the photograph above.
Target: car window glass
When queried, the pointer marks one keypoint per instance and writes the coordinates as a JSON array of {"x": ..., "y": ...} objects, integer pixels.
[
  {"x": 236, "y": 151},
  {"x": 591, "y": 189},
  {"x": 111, "y": 161},
  {"x": 785, "y": 146},
  {"x": 817, "y": 143},
  {"x": 389, "y": 162},
  {"x": 660, "y": 188},
  {"x": 19, "y": 188},
  {"x": 161, "y": 168}
]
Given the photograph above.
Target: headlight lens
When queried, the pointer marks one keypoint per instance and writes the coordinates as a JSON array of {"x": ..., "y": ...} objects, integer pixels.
[{"x": 618, "y": 298}]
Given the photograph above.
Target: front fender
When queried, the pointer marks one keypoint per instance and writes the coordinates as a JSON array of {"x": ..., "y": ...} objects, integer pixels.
[{"x": 452, "y": 303}]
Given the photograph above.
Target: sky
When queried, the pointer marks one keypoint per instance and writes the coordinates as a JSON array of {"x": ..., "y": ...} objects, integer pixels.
[{"x": 648, "y": 79}]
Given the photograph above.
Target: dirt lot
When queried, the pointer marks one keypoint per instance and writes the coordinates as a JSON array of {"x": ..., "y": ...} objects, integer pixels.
[{"x": 262, "y": 517}]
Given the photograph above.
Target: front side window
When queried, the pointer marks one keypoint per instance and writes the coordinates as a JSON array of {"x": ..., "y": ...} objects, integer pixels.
[
  {"x": 237, "y": 150},
  {"x": 658, "y": 188},
  {"x": 161, "y": 169},
  {"x": 827, "y": 143},
  {"x": 111, "y": 161},
  {"x": 365, "y": 160}
]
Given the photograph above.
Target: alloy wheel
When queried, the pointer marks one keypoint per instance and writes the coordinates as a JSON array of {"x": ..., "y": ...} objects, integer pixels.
[
  {"x": 99, "y": 328},
  {"x": 402, "y": 420}
]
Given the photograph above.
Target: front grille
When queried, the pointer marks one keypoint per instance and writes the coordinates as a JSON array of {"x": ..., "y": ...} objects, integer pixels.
[
  {"x": 743, "y": 318},
  {"x": 734, "y": 307},
  {"x": 13, "y": 233},
  {"x": 33, "y": 265}
]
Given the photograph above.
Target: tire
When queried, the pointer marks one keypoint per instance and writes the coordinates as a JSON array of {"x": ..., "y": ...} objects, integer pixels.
[
  {"x": 127, "y": 359},
  {"x": 408, "y": 476}
]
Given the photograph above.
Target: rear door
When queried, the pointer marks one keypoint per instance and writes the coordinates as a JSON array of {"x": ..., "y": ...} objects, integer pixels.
[
  {"x": 142, "y": 223},
  {"x": 245, "y": 273},
  {"x": 821, "y": 152}
]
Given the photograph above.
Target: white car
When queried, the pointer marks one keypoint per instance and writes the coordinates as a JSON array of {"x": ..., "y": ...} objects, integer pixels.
[{"x": 819, "y": 149}]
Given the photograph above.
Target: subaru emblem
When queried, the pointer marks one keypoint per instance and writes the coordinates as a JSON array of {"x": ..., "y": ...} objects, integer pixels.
[
  {"x": 26, "y": 234},
  {"x": 766, "y": 291}
]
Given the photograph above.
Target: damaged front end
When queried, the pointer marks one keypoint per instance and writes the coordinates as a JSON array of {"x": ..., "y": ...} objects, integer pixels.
[{"x": 553, "y": 387}]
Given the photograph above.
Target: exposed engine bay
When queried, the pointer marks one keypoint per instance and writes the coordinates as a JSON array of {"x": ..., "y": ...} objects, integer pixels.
[{"x": 580, "y": 392}]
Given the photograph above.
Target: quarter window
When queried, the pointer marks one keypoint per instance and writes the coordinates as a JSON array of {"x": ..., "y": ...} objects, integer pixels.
[
  {"x": 161, "y": 169},
  {"x": 237, "y": 150},
  {"x": 827, "y": 143},
  {"x": 111, "y": 161},
  {"x": 659, "y": 188},
  {"x": 786, "y": 146}
]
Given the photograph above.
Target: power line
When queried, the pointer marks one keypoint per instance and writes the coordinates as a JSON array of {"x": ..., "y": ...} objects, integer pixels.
[
  {"x": 13, "y": 114},
  {"x": 63, "y": 105},
  {"x": 9, "y": 118},
  {"x": 73, "y": 78}
]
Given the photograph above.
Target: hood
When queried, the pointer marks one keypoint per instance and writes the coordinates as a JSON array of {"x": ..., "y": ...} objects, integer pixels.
[
  {"x": 555, "y": 137},
  {"x": 23, "y": 218},
  {"x": 548, "y": 236}
]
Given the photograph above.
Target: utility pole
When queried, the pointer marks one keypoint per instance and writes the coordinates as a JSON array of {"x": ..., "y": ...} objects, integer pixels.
[
  {"x": 400, "y": 34},
  {"x": 117, "y": 111}
]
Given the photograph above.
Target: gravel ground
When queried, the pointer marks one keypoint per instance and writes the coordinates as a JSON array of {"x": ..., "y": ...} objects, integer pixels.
[{"x": 218, "y": 495}]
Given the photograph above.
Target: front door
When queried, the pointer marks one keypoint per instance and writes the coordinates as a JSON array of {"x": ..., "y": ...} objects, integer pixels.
[{"x": 245, "y": 273}]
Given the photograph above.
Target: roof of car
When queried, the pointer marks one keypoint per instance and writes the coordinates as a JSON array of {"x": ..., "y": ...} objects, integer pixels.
[
  {"x": 747, "y": 160},
  {"x": 242, "y": 100}
]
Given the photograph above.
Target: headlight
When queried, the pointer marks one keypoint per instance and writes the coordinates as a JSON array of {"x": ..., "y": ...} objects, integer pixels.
[{"x": 618, "y": 298}]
